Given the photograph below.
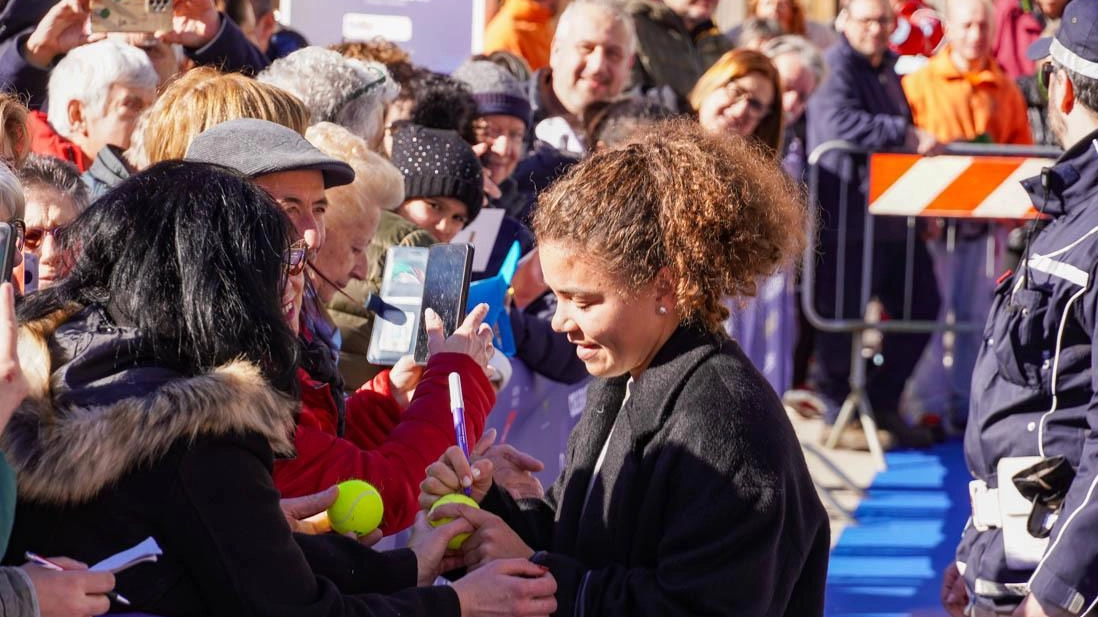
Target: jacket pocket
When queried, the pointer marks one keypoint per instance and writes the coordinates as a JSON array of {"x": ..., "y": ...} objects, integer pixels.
[{"x": 1020, "y": 342}]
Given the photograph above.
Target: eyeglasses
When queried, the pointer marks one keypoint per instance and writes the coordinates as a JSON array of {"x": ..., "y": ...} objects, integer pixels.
[
  {"x": 294, "y": 258},
  {"x": 20, "y": 232},
  {"x": 33, "y": 237},
  {"x": 883, "y": 22},
  {"x": 756, "y": 108},
  {"x": 486, "y": 132},
  {"x": 1044, "y": 76}
]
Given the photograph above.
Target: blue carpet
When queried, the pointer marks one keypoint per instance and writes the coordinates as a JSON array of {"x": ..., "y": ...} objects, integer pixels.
[{"x": 890, "y": 563}]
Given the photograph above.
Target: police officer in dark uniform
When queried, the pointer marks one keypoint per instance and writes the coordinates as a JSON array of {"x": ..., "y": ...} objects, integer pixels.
[{"x": 1031, "y": 546}]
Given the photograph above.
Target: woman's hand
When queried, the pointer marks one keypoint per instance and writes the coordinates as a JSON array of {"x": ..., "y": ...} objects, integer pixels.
[
  {"x": 307, "y": 514},
  {"x": 429, "y": 545},
  {"x": 13, "y": 384},
  {"x": 513, "y": 470},
  {"x": 492, "y": 538},
  {"x": 515, "y": 587},
  {"x": 954, "y": 594},
  {"x": 194, "y": 23},
  {"x": 73, "y": 592},
  {"x": 472, "y": 338},
  {"x": 452, "y": 473},
  {"x": 403, "y": 379}
]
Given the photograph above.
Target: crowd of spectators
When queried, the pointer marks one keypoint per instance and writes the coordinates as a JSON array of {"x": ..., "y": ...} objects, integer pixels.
[{"x": 363, "y": 150}]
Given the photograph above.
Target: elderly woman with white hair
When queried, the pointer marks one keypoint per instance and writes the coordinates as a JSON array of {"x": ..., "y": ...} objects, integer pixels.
[
  {"x": 356, "y": 214},
  {"x": 96, "y": 93},
  {"x": 347, "y": 92}
]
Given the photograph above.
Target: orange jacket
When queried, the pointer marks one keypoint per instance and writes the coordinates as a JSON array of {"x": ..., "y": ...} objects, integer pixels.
[
  {"x": 978, "y": 105},
  {"x": 522, "y": 27}
]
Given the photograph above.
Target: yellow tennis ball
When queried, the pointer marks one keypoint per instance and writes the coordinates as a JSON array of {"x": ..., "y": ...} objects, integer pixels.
[
  {"x": 458, "y": 540},
  {"x": 358, "y": 508}
]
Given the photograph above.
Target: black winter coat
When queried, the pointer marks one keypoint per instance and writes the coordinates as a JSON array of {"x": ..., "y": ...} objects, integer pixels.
[
  {"x": 703, "y": 505},
  {"x": 186, "y": 460}
]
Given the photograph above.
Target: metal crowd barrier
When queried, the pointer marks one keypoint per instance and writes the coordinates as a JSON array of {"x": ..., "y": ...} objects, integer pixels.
[{"x": 857, "y": 401}]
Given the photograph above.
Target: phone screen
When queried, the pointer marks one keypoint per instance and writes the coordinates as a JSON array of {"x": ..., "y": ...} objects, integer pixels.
[
  {"x": 394, "y": 330},
  {"x": 131, "y": 15},
  {"x": 7, "y": 251},
  {"x": 445, "y": 290}
]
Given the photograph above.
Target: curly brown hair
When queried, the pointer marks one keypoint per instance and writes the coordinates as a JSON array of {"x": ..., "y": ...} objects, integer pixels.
[
  {"x": 376, "y": 49},
  {"x": 716, "y": 211}
]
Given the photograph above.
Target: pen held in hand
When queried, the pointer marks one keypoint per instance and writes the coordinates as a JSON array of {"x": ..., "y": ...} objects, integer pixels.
[
  {"x": 457, "y": 408},
  {"x": 51, "y": 565}
]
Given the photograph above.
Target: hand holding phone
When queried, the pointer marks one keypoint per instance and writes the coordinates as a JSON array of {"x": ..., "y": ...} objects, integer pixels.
[
  {"x": 445, "y": 291},
  {"x": 472, "y": 338}
]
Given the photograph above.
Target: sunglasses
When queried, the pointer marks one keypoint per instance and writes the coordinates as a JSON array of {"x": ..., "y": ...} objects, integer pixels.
[
  {"x": 33, "y": 237},
  {"x": 1044, "y": 76},
  {"x": 294, "y": 258}
]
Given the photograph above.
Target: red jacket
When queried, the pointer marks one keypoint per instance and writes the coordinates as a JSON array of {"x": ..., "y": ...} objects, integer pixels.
[
  {"x": 44, "y": 140},
  {"x": 1015, "y": 29},
  {"x": 382, "y": 445}
]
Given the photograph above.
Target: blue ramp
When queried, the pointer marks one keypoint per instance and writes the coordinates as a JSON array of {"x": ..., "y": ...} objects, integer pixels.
[{"x": 890, "y": 563}]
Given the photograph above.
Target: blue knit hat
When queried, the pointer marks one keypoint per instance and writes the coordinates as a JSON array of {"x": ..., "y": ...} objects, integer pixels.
[{"x": 496, "y": 91}]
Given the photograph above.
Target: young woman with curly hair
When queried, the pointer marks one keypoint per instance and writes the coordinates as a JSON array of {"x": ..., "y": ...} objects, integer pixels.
[{"x": 685, "y": 491}]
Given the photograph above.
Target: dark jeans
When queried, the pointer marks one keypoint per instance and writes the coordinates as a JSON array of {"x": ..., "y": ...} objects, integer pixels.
[{"x": 901, "y": 352}]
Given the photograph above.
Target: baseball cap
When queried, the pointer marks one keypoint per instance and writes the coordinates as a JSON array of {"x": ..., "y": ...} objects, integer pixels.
[
  {"x": 258, "y": 147},
  {"x": 1075, "y": 46}
]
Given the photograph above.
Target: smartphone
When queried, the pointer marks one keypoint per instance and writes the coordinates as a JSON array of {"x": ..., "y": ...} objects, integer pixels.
[
  {"x": 445, "y": 290},
  {"x": 131, "y": 15},
  {"x": 7, "y": 251},
  {"x": 394, "y": 331},
  {"x": 30, "y": 273}
]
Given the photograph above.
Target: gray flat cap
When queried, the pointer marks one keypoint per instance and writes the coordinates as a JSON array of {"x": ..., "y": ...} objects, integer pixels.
[{"x": 258, "y": 147}]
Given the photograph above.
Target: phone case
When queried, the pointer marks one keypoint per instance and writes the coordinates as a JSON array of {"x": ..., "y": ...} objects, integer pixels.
[
  {"x": 445, "y": 290},
  {"x": 402, "y": 290},
  {"x": 7, "y": 251},
  {"x": 131, "y": 15}
]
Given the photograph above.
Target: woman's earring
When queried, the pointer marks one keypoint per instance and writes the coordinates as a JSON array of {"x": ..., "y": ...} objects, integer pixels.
[{"x": 662, "y": 310}]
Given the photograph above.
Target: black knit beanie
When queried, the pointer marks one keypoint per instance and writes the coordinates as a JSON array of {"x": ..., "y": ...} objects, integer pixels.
[{"x": 438, "y": 163}]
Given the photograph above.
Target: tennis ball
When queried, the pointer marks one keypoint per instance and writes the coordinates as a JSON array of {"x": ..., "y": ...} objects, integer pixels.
[
  {"x": 458, "y": 540},
  {"x": 358, "y": 508}
]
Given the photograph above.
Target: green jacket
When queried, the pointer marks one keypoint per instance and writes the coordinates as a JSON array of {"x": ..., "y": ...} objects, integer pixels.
[
  {"x": 354, "y": 320},
  {"x": 670, "y": 55}
]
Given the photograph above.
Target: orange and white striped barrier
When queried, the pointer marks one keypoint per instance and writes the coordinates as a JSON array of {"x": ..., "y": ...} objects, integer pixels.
[{"x": 952, "y": 186}]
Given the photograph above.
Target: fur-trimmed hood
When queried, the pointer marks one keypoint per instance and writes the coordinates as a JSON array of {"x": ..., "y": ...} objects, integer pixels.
[{"x": 65, "y": 450}]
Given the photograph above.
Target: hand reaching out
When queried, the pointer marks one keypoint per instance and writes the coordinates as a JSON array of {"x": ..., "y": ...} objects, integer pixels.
[
  {"x": 63, "y": 29},
  {"x": 13, "y": 384}
]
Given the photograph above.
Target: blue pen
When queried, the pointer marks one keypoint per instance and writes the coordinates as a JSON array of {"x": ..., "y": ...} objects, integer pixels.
[{"x": 457, "y": 408}]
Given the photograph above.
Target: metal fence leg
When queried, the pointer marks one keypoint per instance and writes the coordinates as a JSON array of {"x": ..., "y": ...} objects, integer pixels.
[{"x": 858, "y": 401}]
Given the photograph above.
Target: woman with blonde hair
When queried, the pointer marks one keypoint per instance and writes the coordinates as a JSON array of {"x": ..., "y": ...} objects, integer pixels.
[
  {"x": 204, "y": 97},
  {"x": 741, "y": 95},
  {"x": 15, "y": 143},
  {"x": 379, "y": 186}
]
